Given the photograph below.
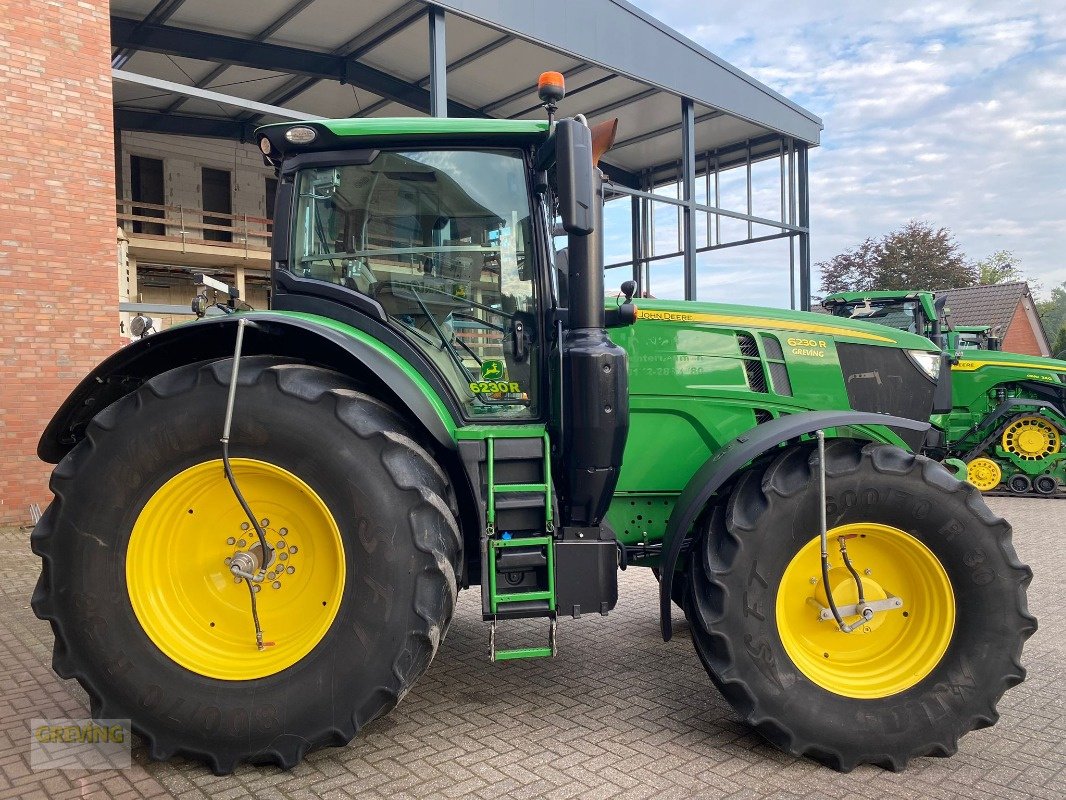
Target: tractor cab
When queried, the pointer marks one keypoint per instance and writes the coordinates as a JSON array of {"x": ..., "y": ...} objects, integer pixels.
[{"x": 916, "y": 312}]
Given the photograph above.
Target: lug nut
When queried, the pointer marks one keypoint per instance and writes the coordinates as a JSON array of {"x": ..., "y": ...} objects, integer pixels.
[
  {"x": 290, "y": 570},
  {"x": 276, "y": 584},
  {"x": 280, "y": 545},
  {"x": 283, "y": 556},
  {"x": 245, "y": 526},
  {"x": 231, "y": 541},
  {"x": 236, "y": 579},
  {"x": 284, "y": 531},
  {"x": 255, "y": 587},
  {"x": 264, "y": 523},
  {"x": 293, "y": 550},
  {"x": 241, "y": 543}
]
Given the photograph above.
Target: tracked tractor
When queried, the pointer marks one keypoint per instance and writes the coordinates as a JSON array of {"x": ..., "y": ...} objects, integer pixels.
[
  {"x": 1005, "y": 421},
  {"x": 262, "y": 519}
]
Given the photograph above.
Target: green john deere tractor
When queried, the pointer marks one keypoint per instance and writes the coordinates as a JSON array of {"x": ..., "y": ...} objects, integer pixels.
[
  {"x": 1006, "y": 419},
  {"x": 261, "y": 520}
]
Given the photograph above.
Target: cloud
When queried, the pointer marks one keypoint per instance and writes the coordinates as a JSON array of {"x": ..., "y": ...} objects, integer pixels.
[{"x": 953, "y": 112}]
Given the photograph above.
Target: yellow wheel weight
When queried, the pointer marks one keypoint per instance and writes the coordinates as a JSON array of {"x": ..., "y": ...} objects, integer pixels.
[
  {"x": 894, "y": 650},
  {"x": 189, "y": 603},
  {"x": 1031, "y": 438},
  {"x": 984, "y": 473}
]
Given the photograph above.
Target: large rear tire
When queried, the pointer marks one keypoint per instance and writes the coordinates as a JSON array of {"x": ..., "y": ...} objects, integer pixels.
[
  {"x": 135, "y": 549},
  {"x": 913, "y": 680}
]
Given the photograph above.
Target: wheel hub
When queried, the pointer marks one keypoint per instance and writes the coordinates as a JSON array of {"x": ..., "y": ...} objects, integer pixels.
[
  {"x": 249, "y": 563},
  {"x": 193, "y": 608},
  {"x": 984, "y": 473},
  {"x": 1031, "y": 438},
  {"x": 892, "y": 650}
]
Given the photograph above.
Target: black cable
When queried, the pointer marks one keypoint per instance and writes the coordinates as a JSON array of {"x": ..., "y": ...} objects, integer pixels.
[
  {"x": 829, "y": 591},
  {"x": 255, "y": 615},
  {"x": 851, "y": 569},
  {"x": 268, "y": 551}
]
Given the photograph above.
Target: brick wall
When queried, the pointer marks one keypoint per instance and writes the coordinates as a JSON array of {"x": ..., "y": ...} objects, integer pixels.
[
  {"x": 58, "y": 306},
  {"x": 1020, "y": 336}
]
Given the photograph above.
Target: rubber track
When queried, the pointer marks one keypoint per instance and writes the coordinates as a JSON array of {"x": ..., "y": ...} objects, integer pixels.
[
  {"x": 705, "y": 607},
  {"x": 367, "y": 418}
]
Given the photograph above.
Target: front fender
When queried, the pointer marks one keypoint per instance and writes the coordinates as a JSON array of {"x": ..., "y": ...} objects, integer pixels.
[
  {"x": 709, "y": 478},
  {"x": 302, "y": 337}
]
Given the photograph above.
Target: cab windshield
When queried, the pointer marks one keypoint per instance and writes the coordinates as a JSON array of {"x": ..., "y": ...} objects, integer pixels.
[
  {"x": 442, "y": 239},
  {"x": 903, "y": 315}
]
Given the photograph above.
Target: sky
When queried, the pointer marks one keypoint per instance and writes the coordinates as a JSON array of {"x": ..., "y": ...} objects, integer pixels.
[{"x": 948, "y": 112}]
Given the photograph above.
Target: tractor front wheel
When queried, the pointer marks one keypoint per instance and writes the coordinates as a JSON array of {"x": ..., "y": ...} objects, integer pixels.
[
  {"x": 138, "y": 544},
  {"x": 941, "y": 583}
]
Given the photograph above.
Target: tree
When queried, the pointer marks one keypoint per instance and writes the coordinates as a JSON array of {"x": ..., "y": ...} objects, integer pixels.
[
  {"x": 1053, "y": 310},
  {"x": 853, "y": 270},
  {"x": 1058, "y": 349},
  {"x": 917, "y": 256},
  {"x": 1000, "y": 267}
]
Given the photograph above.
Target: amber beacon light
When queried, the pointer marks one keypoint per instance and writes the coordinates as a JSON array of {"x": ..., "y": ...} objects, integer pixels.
[{"x": 551, "y": 87}]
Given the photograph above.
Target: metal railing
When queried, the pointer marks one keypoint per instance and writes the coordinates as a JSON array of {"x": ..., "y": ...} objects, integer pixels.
[{"x": 190, "y": 225}]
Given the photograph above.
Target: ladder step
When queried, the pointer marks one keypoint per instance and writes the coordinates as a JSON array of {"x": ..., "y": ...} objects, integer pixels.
[
  {"x": 511, "y": 488},
  {"x": 514, "y": 502},
  {"x": 526, "y": 609},
  {"x": 512, "y": 559},
  {"x": 523, "y": 652},
  {"x": 519, "y": 597}
]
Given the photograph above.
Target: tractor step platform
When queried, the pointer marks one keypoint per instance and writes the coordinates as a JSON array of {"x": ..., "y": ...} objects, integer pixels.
[{"x": 522, "y": 652}]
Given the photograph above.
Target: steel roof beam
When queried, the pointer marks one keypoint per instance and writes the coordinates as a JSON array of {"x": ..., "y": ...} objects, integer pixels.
[
  {"x": 643, "y": 137},
  {"x": 382, "y": 30},
  {"x": 276, "y": 58},
  {"x": 162, "y": 11},
  {"x": 129, "y": 119},
  {"x": 263, "y": 35},
  {"x": 457, "y": 64},
  {"x": 207, "y": 94}
]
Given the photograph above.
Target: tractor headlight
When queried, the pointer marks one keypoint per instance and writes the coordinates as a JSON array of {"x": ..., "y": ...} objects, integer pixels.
[{"x": 927, "y": 362}]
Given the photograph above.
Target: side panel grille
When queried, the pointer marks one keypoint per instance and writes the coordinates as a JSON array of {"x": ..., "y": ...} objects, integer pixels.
[
  {"x": 752, "y": 363},
  {"x": 775, "y": 363}
]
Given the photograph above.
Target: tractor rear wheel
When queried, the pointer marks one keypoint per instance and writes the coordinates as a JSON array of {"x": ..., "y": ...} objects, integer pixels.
[
  {"x": 137, "y": 544},
  {"x": 909, "y": 681}
]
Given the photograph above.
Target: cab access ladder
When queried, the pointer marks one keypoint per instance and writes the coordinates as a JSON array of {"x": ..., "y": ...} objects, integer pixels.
[{"x": 519, "y": 566}]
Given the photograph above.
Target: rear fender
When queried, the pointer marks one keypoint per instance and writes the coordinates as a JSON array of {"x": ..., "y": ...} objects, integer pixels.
[
  {"x": 386, "y": 373},
  {"x": 732, "y": 458}
]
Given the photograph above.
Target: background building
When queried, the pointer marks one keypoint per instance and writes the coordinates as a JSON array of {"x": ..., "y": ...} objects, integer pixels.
[{"x": 1008, "y": 308}]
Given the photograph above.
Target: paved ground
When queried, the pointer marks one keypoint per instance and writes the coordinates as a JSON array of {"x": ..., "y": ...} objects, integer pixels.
[{"x": 617, "y": 714}]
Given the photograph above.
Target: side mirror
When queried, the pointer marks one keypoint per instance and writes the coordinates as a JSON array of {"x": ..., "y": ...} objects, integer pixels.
[{"x": 573, "y": 164}]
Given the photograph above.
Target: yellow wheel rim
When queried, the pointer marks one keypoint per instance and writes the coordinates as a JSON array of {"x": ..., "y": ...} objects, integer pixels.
[
  {"x": 894, "y": 650},
  {"x": 188, "y": 602},
  {"x": 1031, "y": 438},
  {"x": 984, "y": 473}
]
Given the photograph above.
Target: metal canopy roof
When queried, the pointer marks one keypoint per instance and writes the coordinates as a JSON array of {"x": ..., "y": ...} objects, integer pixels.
[{"x": 337, "y": 58}]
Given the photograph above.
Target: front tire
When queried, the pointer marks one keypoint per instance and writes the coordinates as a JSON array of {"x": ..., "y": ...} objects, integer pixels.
[
  {"x": 917, "y": 677},
  {"x": 135, "y": 580}
]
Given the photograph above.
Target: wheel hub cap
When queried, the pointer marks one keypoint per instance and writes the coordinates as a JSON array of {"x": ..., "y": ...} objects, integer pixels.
[{"x": 984, "y": 473}]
